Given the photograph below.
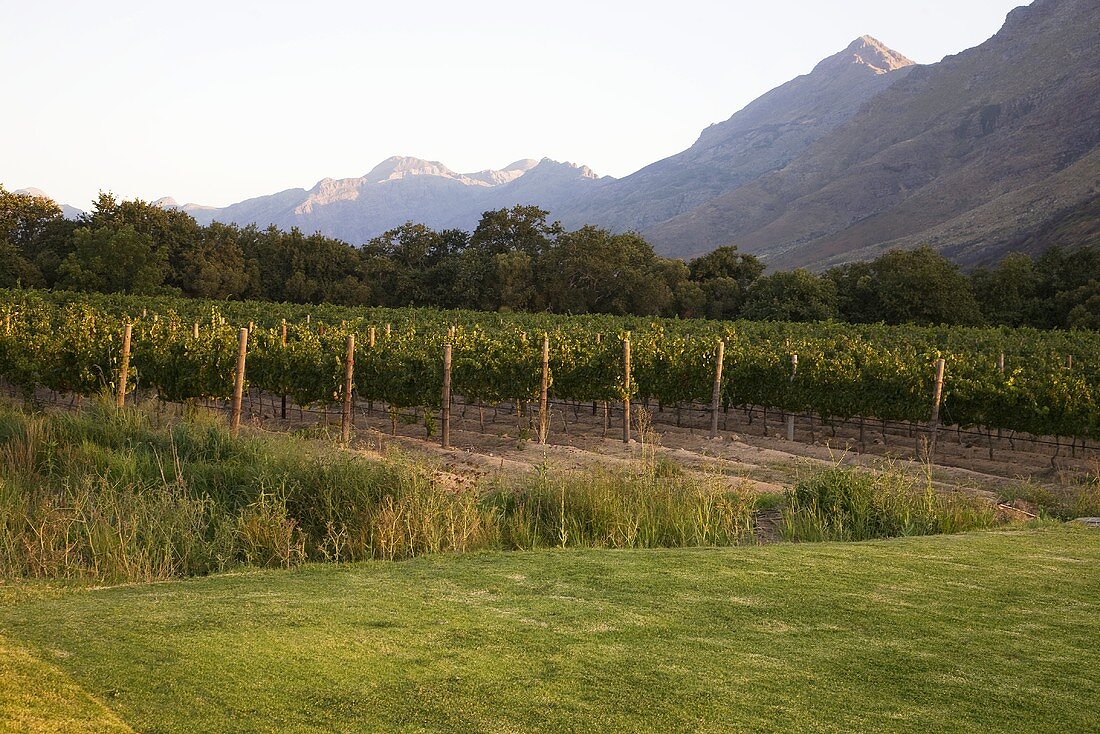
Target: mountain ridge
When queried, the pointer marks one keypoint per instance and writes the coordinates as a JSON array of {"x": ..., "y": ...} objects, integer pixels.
[
  {"x": 760, "y": 138},
  {"x": 401, "y": 189},
  {"x": 948, "y": 139}
]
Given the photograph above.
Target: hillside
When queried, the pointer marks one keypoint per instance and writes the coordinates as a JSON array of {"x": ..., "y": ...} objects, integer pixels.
[
  {"x": 761, "y": 138},
  {"x": 982, "y": 151}
]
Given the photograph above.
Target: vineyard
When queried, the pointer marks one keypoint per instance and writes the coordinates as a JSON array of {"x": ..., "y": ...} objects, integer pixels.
[{"x": 1040, "y": 383}]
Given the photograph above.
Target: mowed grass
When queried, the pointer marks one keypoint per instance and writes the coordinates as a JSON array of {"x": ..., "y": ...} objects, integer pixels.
[{"x": 985, "y": 631}]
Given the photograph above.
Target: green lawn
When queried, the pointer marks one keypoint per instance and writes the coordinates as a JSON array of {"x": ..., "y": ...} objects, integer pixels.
[{"x": 989, "y": 631}]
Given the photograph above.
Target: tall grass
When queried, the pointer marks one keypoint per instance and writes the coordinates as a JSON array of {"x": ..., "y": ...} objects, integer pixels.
[
  {"x": 621, "y": 509},
  {"x": 143, "y": 494},
  {"x": 114, "y": 495},
  {"x": 1066, "y": 502},
  {"x": 849, "y": 504},
  {"x": 138, "y": 494}
]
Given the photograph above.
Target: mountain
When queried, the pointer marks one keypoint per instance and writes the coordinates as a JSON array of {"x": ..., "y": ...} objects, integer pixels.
[
  {"x": 993, "y": 149},
  {"x": 761, "y": 138},
  {"x": 69, "y": 212},
  {"x": 400, "y": 189},
  {"x": 987, "y": 150}
]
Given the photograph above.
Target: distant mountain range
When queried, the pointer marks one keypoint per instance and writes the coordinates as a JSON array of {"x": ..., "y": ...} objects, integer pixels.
[
  {"x": 993, "y": 149},
  {"x": 402, "y": 189}
]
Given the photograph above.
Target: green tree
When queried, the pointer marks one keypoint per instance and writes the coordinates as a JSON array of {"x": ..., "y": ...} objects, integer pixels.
[
  {"x": 857, "y": 293},
  {"x": 1007, "y": 293},
  {"x": 25, "y": 225},
  {"x": 592, "y": 270},
  {"x": 114, "y": 260},
  {"x": 724, "y": 276},
  {"x": 214, "y": 265},
  {"x": 922, "y": 287},
  {"x": 796, "y": 295}
]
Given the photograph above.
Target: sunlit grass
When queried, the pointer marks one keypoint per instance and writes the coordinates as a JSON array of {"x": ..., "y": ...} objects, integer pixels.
[{"x": 987, "y": 631}]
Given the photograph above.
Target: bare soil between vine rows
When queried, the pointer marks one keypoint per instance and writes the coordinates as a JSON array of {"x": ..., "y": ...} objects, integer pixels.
[
  {"x": 490, "y": 442},
  {"x": 494, "y": 442}
]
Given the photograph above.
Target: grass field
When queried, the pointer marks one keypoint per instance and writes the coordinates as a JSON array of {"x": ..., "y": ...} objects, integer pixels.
[{"x": 985, "y": 631}]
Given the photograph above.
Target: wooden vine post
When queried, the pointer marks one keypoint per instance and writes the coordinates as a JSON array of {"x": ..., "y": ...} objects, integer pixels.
[
  {"x": 238, "y": 384},
  {"x": 370, "y": 337},
  {"x": 282, "y": 341},
  {"x": 790, "y": 416},
  {"x": 716, "y": 395},
  {"x": 544, "y": 413},
  {"x": 349, "y": 375},
  {"x": 124, "y": 365},
  {"x": 626, "y": 388},
  {"x": 937, "y": 397},
  {"x": 195, "y": 330},
  {"x": 445, "y": 401}
]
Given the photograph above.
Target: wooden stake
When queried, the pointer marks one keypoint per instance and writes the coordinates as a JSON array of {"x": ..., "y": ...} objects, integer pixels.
[
  {"x": 626, "y": 386},
  {"x": 790, "y": 416},
  {"x": 1001, "y": 363},
  {"x": 195, "y": 330},
  {"x": 282, "y": 340},
  {"x": 370, "y": 337},
  {"x": 937, "y": 396},
  {"x": 238, "y": 384},
  {"x": 124, "y": 366},
  {"x": 445, "y": 430},
  {"x": 716, "y": 395},
  {"x": 349, "y": 374},
  {"x": 544, "y": 415}
]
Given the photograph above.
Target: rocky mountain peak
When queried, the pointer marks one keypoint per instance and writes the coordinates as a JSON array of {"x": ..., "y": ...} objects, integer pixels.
[
  {"x": 573, "y": 170},
  {"x": 524, "y": 165},
  {"x": 397, "y": 166},
  {"x": 864, "y": 52}
]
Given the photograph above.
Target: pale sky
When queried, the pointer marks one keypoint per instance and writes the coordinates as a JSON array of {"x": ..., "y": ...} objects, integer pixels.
[{"x": 214, "y": 102}]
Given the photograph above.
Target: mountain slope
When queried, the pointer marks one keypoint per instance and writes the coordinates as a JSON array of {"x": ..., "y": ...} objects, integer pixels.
[
  {"x": 965, "y": 154},
  {"x": 761, "y": 138}
]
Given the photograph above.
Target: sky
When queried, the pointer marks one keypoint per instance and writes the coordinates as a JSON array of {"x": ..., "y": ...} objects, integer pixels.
[{"x": 215, "y": 102}]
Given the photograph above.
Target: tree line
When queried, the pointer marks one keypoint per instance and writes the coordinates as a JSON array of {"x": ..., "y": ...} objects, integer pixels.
[{"x": 516, "y": 259}]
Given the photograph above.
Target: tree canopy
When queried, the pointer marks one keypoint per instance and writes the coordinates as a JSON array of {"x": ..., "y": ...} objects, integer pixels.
[{"x": 518, "y": 259}]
